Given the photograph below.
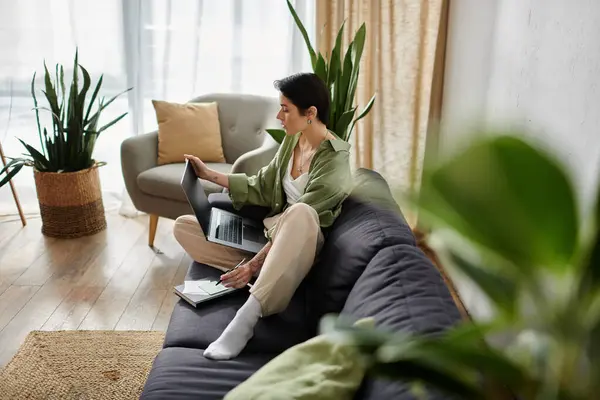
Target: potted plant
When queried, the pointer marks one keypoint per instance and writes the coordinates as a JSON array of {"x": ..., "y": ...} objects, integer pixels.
[
  {"x": 339, "y": 70},
  {"x": 65, "y": 172},
  {"x": 505, "y": 214}
]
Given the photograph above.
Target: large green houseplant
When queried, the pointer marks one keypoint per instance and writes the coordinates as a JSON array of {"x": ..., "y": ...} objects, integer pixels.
[
  {"x": 65, "y": 171},
  {"x": 505, "y": 214},
  {"x": 339, "y": 70}
]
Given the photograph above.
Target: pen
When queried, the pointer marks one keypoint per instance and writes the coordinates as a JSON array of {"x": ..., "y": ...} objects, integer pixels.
[{"x": 232, "y": 269}]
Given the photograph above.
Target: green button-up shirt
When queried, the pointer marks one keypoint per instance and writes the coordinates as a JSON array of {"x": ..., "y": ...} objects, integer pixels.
[{"x": 329, "y": 181}]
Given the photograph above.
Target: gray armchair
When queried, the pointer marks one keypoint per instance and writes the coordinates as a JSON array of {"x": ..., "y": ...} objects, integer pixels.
[{"x": 247, "y": 147}]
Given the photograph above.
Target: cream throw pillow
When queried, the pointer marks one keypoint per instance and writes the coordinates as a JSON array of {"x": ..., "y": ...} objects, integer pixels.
[
  {"x": 318, "y": 369},
  {"x": 190, "y": 128}
]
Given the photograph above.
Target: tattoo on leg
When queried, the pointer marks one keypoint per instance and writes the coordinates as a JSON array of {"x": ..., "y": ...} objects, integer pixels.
[{"x": 257, "y": 261}]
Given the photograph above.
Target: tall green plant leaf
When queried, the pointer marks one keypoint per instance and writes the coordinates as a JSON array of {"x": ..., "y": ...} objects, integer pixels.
[
  {"x": 341, "y": 78},
  {"x": 15, "y": 170},
  {"x": 343, "y": 84},
  {"x": 77, "y": 130},
  {"x": 277, "y": 134},
  {"x": 52, "y": 99},
  {"x": 81, "y": 96},
  {"x": 93, "y": 123},
  {"x": 103, "y": 105},
  {"x": 321, "y": 68},
  {"x": 92, "y": 100},
  {"x": 12, "y": 163},
  {"x": 111, "y": 123},
  {"x": 311, "y": 51},
  {"x": 38, "y": 158},
  {"x": 37, "y": 116},
  {"x": 363, "y": 114},
  {"x": 50, "y": 151},
  {"x": 334, "y": 74},
  {"x": 63, "y": 90},
  {"x": 74, "y": 90},
  {"x": 342, "y": 124},
  {"x": 50, "y": 92},
  {"x": 335, "y": 62},
  {"x": 357, "y": 51}
]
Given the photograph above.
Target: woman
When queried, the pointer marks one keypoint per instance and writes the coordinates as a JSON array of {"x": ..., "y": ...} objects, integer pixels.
[{"x": 303, "y": 186}]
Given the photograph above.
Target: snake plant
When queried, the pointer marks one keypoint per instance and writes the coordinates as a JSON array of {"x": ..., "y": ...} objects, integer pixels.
[
  {"x": 505, "y": 214},
  {"x": 69, "y": 145},
  {"x": 339, "y": 70}
]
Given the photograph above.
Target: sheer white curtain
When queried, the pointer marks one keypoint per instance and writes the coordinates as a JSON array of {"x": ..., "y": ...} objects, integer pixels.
[{"x": 165, "y": 49}]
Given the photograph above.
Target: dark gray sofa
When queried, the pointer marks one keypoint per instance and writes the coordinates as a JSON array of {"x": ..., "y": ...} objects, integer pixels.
[{"x": 370, "y": 266}]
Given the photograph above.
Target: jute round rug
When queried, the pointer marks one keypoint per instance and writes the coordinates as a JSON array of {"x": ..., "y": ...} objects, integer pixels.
[{"x": 81, "y": 365}]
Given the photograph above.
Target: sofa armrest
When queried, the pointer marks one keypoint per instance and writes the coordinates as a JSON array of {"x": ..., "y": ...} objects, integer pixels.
[
  {"x": 138, "y": 154},
  {"x": 250, "y": 162}
]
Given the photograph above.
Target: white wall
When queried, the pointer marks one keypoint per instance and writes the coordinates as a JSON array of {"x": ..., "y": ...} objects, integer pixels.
[
  {"x": 468, "y": 65},
  {"x": 526, "y": 63},
  {"x": 533, "y": 64}
]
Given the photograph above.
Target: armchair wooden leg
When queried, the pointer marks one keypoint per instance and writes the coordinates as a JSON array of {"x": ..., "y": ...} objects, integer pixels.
[{"x": 152, "y": 231}]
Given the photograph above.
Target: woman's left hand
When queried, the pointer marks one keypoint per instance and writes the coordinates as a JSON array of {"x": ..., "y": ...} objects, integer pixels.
[{"x": 238, "y": 278}]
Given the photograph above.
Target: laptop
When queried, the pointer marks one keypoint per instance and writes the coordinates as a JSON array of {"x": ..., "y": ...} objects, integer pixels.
[{"x": 220, "y": 226}]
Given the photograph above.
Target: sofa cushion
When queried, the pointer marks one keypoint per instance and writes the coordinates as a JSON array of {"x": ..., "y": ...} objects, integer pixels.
[
  {"x": 165, "y": 180},
  {"x": 403, "y": 291},
  {"x": 372, "y": 188},
  {"x": 190, "y": 128},
  {"x": 180, "y": 373},
  {"x": 198, "y": 327},
  {"x": 357, "y": 235}
]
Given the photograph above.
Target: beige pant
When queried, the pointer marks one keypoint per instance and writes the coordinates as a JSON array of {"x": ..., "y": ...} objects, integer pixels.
[{"x": 296, "y": 240}]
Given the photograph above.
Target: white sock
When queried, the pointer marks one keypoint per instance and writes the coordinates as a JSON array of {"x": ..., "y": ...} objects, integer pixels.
[{"x": 239, "y": 331}]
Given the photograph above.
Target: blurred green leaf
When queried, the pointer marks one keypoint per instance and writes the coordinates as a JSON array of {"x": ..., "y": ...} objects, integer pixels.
[
  {"x": 590, "y": 278},
  {"x": 510, "y": 198},
  {"x": 501, "y": 289},
  {"x": 414, "y": 370}
]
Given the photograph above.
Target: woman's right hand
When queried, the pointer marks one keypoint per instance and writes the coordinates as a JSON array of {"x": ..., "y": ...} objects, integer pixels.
[
  {"x": 200, "y": 168},
  {"x": 238, "y": 277}
]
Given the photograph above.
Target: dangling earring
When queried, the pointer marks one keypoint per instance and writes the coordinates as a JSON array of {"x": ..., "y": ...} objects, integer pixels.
[{"x": 310, "y": 121}]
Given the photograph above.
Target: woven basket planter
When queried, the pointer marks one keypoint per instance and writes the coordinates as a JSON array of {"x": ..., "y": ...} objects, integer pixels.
[{"x": 70, "y": 203}]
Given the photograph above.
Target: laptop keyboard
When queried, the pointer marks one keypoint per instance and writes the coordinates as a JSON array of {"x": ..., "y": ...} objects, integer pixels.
[{"x": 229, "y": 229}]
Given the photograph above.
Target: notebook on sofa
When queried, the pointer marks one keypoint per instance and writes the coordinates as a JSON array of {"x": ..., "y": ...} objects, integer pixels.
[{"x": 201, "y": 290}]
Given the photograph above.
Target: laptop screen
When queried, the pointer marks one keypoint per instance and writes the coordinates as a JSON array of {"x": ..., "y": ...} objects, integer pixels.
[{"x": 194, "y": 192}]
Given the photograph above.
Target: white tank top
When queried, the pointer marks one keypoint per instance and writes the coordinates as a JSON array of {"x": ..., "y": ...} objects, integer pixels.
[{"x": 294, "y": 188}]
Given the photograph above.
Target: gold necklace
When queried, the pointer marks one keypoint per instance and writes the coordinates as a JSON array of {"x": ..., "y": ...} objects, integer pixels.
[{"x": 302, "y": 162}]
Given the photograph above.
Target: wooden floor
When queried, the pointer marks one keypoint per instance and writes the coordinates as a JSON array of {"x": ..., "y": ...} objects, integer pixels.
[{"x": 109, "y": 281}]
